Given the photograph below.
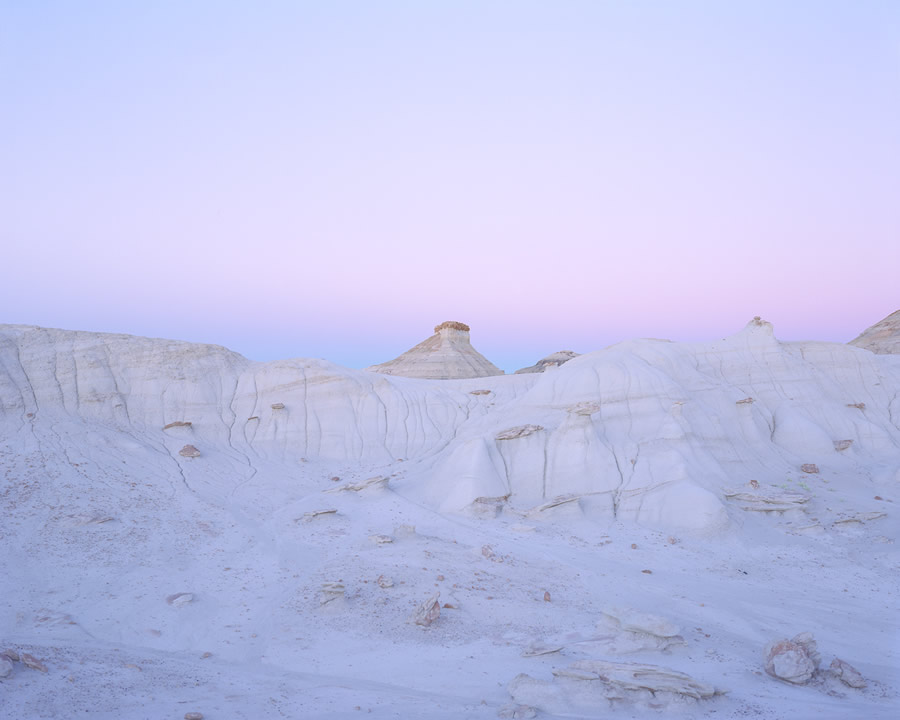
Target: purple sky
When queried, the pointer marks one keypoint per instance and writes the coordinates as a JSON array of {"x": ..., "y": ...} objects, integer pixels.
[{"x": 333, "y": 179}]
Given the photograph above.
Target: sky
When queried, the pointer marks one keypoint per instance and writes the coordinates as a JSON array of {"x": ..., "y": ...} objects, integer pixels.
[{"x": 332, "y": 179}]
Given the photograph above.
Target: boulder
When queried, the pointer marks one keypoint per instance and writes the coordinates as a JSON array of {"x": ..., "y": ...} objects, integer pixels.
[{"x": 794, "y": 661}]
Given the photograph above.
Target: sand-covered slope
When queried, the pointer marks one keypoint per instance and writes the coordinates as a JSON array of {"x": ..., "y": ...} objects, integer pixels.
[{"x": 742, "y": 488}]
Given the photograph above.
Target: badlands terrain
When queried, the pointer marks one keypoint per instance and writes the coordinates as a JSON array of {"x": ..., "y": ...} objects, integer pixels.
[{"x": 628, "y": 533}]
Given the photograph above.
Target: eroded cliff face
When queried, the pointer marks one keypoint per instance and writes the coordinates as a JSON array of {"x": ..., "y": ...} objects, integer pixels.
[
  {"x": 446, "y": 355},
  {"x": 648, "y": 431},
  {"x": 883, "y": 337}
]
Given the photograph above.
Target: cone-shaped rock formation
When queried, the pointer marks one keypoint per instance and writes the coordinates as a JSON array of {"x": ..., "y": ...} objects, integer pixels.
[
  {"x": 882, "y": 338},
  {"x": 446, "y": 355}
]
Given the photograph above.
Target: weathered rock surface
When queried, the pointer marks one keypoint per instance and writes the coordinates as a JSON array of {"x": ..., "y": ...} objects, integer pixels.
[
  {"x": 847, "y": 674},
  {"x": 428, "y": 611},
  {"x": 586, "y": 686},
  {"x": 330, "y": 592},
  {"x": 794, "y": 661},
  {"x": 189, "y": 451},
  {"x": 373, "y": 483},
  {"x": 30, "y": 661},
  {"x": 635, "y": 630},
  {"x": 446, "y": 355},
  {"x": 180, "y": 599},
  {"x": 552, "y": 361},
  {"x": 773, "y": 501},
  {"x": 519, "y": 431},
  {"x": 883, "y": 337},
  {"x": 516, "y": 712}
]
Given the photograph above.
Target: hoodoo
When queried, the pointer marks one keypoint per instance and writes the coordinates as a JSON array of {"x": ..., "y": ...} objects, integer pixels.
[
  {"x": 883, "y": 338},
  {"x": 446, "y": 355}
]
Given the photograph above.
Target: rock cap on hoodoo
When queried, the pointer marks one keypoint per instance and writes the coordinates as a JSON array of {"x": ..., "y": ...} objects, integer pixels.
[
  {"x": 446, "y": 355},
  {"x": 883, "y": 338},
  {"x": 451, "y": 325}
]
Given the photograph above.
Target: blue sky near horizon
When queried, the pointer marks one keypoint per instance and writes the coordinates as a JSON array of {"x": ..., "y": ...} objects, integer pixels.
[{"x": 334, "y": 179}]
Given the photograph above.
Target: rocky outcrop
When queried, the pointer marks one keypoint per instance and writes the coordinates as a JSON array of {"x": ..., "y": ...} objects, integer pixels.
[
  {"x": 551, "y": 362},
  {"x": 446, "y": 355},
  {"x": 883, "y": 337},
  {"x": 587, "y": 686}
]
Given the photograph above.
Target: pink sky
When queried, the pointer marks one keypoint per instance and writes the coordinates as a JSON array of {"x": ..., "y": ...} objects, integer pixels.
[{"x": 332, "y": 180}]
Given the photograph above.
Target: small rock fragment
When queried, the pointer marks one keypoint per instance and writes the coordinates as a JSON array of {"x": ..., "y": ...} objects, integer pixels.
[
  {"x": 634, "y": 546},
  {"x": 6, "y": 666},
  {"x": 841, "y": 445},
  {"x": 330, "y": 592},
  {"x": 809, "y": 468},
  {"x": 428, "y": 611},
  {"x": 754, "y": 484},
  {"x": 193, "y": 716},
  {"x": 847, "y": 674},
  {"x": 858, "y": 406},
  {"x": 312, "y": 514},
  {"x": 11, "y": 654},
  {"x": 519, "y": 431},
  {"x": 381, "y": 539},
  {"x": 546, "y": 596},
  {"x": 32, "y": 662},
  {"x": 206, "y": 655},
  {"x": 180, "y": 599},
  {"x": 372, "y": 483},
  {"x": 647, "y": 572},
  {"x": 512, "y": 711},
  {"x": 177, "y": 423},
  {"x": 745, "y": 401},
  {"x": 189, "y": 451},
  {"x": 384, "y": 582},
  {"x": 278, "y": 406}
]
